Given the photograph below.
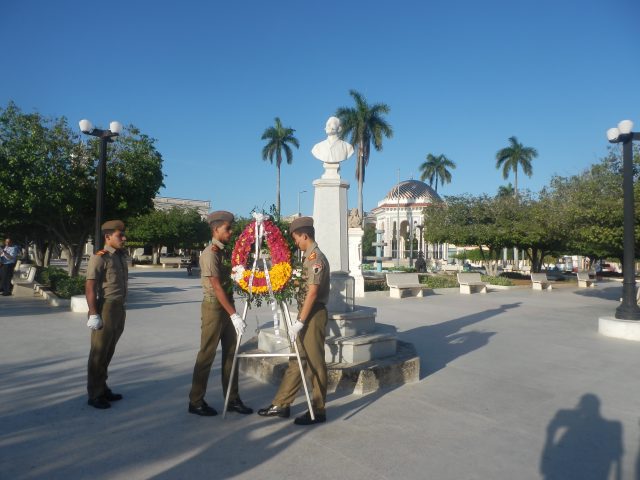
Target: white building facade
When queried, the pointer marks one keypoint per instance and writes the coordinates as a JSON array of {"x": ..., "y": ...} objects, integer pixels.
[{"x": 403, "y": 206}]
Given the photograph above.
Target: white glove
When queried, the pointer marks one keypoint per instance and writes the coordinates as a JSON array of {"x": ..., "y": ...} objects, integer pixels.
[
  {"x": 295, "y": 329},
  {"x": 238, "y": 324},
  {"x": 94, "y": 322}
]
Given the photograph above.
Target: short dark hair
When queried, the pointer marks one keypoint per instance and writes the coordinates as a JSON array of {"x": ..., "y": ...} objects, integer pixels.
[
  {"x": 217, "y": 224},
  {"x": 110, "y": 231},
  {"x": 308, "y": 231}
]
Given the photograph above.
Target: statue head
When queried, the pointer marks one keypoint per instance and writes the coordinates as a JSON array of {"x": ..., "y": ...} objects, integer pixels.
[{"x": 333, "y": 126}]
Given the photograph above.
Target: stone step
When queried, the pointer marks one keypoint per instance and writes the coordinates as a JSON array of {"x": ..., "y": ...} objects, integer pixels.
[
  {"x": 337, "y": 349},
  {"x": 346, "y": 324},
  {"x": 360, "y": 348},
  {"x": 361, "y": 378}
]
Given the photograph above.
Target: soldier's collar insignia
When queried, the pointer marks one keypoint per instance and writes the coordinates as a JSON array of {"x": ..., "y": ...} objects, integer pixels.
[
  {"x": 312, "y": 256},
  {"x": 101, "y": 252}
]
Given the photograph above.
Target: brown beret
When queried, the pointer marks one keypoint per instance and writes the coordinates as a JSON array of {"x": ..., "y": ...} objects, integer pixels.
[
  {"x": 113, "y": 225},
  {"x": 220, "y": 215},
  {"x": 300, "y": 222}
]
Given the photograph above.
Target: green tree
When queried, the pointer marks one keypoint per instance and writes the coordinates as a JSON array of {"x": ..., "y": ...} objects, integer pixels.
[
  {"x": 365, "y": 124},
  {"x": 48, "y": 180},
  {"x": 368, "y": 239},
  {"x": 505, "y": 190},
  {"x": 437, "y": 168},
  {"x": 173, "y": 228},
  {"x": 514, "y": 156},
  {"x": 279, "y": 139}
]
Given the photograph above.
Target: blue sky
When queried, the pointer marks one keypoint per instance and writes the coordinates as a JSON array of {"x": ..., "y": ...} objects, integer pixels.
[{"x": 206, "y": 78}]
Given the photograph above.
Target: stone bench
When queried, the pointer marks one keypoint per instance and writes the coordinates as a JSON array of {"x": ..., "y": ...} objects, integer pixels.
[
  {"x": 450, "y": 268},
  {"x": 24, "y": 283},
  {"x": 539, "y": 281},
  {"x": 404, "y": 284},
  {"x": 470, "y": 282},
  {"x": 584, "y": 281}
]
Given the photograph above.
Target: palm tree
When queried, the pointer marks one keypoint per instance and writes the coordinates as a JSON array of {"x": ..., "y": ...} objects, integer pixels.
[
  {"x": 279, "y": 138},
  {"x": 435, "y": 168},
  {"x": 365, "y": 124},
  {"x": 515, "y": 155}
]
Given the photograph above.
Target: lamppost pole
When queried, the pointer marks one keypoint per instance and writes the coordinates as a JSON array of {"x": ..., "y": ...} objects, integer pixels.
[
  {"x": 398, "y": 222},
  {"x": 420, "y": 227},
  {"x": 628, "y": 309},
  {"x": 105, "y": 136},
  {"x": 302, "y": 191}
]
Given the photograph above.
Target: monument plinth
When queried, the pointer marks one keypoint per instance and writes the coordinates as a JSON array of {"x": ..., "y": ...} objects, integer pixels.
[{"x": 354, "y": 345}]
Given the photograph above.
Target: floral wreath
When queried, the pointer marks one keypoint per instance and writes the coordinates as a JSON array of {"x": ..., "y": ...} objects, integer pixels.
[{"x": 280, "y": 271}]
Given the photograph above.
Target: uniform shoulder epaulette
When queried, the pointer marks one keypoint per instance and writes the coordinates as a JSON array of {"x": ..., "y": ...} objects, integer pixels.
[{"x": 101, "y": 252}]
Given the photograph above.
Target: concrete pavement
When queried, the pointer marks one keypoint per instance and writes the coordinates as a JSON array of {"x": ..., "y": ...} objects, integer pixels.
[{"x": 497, "y": 371}]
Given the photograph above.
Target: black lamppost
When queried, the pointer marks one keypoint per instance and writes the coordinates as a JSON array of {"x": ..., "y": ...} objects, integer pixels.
[
  {"x": 628, "y": 309},
  {"x": 105, "y": 136}
]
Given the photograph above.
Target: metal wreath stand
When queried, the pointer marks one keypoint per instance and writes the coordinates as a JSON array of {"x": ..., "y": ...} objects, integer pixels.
[{"x": 275, "y": 306}]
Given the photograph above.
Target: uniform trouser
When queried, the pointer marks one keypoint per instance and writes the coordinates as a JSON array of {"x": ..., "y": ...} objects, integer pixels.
[
  {"x": 311, "y": 347},
  {"x": 216, "y": 328},
  {"x": 6, "y": 274},
  {"x": 103, "y": 344}
]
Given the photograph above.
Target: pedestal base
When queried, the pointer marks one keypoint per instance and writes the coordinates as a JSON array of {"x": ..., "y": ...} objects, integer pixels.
[
  {"x": 362, "y": 378},
  {"x": 617, "y": 328}
]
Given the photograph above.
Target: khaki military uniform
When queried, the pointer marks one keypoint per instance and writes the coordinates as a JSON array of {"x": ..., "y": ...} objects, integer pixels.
[
  {"x": 109, "y": 268},
  {"x": 216, "y": 327},
  {"x": 315, "y": 271}
]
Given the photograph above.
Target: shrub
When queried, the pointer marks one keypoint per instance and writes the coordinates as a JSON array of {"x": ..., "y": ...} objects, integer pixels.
[
  {"x": 69, "y": 286},
  {"x": 516, "y": 275},
  {"x": 505, "y": 282},
  {"x": 377, "y": 285},
  {"x": 51, "y": 276},
  {"x": 439, "y": 281}
]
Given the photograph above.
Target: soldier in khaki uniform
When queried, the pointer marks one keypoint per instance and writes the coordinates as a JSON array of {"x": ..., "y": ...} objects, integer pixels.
[
  {"x": 220, "y": 321},
  {"x": 106, "y": 292},
  {"x": 308, "y": 330}
]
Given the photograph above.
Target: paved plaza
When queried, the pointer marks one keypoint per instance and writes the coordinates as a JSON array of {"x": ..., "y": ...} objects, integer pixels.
[{"x": 497, "y": 371}]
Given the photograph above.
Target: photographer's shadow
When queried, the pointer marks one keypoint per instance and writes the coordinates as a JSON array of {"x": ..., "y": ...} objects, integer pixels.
[{"x": 581, "y": 444}]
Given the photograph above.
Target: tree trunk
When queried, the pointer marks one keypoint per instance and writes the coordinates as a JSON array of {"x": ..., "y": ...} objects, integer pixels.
[
  {"x": 516, "y": 182},
  {"x": 278, "y": 187},
  {"x": 360, "y": 179}
]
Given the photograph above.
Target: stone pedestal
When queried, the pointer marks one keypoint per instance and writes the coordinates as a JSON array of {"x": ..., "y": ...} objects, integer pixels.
[
  {"x": 352, "y": 338},
  {"x": 355, "y": 260}
]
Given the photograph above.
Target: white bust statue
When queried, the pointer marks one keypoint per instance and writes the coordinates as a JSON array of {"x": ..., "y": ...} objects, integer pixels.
[{"x": 332, "y": 150}]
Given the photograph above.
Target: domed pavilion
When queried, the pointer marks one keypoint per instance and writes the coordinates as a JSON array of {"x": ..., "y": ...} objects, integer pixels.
[{"x": 404, "y": 205}]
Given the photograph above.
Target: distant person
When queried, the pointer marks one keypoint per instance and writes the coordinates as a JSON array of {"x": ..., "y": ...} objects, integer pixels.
[
  {"x": 106, "y": 292},
  {"x": 421, "y": 264},
  {"x": 8, "y": 258},
  {"x": 308, "y": 331},
  {"x": 220, "y": 321}
]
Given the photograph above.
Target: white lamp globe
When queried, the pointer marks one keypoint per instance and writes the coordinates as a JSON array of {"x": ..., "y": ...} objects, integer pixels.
[
  {"x": 115, "y": 127},
  {"x": 85, "y": 126},
  {"x": 625, "y": 126},
  {"x": 613, "y": 134}
]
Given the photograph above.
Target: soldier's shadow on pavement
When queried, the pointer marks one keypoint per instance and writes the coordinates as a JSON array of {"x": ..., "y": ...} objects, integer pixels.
[
  {"x": 148, "y": 434},
  {"x": 440, "y": 344},
  {"x": 580, "y": 444}
]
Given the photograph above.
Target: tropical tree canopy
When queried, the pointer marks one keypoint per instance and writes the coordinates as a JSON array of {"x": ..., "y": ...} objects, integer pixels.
[
  {"x": 279, "y": 139},
  {"x": 364, "y": 124},
  {"x": 513, "y": 157},
  {"x": 436, "y": 167},
  {"x": 48, "y": 181}
]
